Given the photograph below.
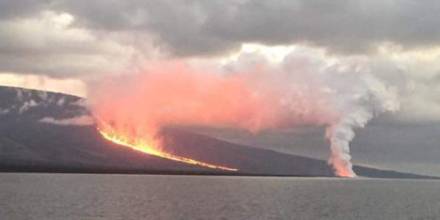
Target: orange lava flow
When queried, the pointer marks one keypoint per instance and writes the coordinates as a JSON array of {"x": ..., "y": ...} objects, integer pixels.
[{"x": 143, "y": 147}]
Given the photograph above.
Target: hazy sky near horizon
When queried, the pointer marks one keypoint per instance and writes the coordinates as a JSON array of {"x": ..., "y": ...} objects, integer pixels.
[{"x": 66, "y": 45}]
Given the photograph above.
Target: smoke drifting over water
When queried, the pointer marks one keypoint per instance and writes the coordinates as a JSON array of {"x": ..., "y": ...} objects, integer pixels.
[{"x": 250, "y": 93}]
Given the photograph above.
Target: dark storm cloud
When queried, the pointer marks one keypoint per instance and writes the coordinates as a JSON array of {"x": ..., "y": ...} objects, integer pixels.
[
  {"x": 81, "y": 38},
  {"x": 203, "y": 27},
  {"x": 199, "y": 27},
  {"x": 29, "y": 31}
]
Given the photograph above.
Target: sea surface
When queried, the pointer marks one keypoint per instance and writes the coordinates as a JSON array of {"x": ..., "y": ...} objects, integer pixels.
[{"x": 125, "y": 197}]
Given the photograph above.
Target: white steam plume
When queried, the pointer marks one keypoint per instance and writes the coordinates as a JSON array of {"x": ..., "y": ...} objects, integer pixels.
[
  {"x": 357, "y": 95},
  {"x": 363, "y": 97},
  {"x": 250, "y": 92},
  {"x": 83, "y": 120}
]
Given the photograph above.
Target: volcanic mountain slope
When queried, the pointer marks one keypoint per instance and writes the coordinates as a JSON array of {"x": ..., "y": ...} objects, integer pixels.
[{"x": 29, "y": 143}]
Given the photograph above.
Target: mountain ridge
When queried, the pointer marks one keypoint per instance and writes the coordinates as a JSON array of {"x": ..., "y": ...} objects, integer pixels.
[{"x": 29, "y": 145}]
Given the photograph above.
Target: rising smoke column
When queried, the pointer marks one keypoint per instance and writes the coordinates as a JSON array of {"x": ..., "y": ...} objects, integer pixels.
[
  {"x": 367, "y": 98},
  {"x": 249, "y": 93}
]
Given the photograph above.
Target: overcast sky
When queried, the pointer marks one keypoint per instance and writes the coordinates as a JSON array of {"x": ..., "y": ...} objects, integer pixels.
[{"x": 45, "y": 43}]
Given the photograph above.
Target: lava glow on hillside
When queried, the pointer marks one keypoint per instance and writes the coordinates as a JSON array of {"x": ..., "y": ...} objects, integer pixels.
[
  {"x": 254, "y": 96},
  {"x": 141, "y": 145}
]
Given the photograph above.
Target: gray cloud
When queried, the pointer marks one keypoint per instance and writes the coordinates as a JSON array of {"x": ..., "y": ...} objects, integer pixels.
[
  {"x": 37, "y": 37},
  {"x": 199, "y": 28},
  {"x": 22, "y": 8},
  {"x": 48, "y": 43},
  {"x": 207, "y": 27}
]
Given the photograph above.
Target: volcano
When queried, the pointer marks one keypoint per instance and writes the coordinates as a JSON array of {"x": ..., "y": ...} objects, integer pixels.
[{"x": 28, "y": 143}]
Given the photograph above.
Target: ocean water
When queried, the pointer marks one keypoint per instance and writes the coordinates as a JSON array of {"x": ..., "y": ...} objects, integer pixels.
[{"x": 125, "y": 197}]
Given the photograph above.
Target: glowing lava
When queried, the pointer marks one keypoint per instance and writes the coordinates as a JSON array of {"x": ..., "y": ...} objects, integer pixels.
[{"x": 142, "y": 146}]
